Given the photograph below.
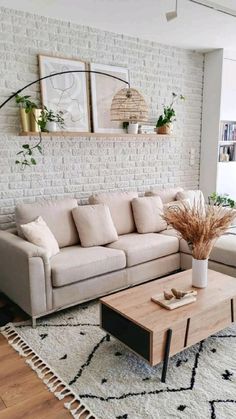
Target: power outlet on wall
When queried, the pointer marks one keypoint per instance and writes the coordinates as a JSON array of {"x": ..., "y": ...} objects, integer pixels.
[{"x": 192, "y": 156}]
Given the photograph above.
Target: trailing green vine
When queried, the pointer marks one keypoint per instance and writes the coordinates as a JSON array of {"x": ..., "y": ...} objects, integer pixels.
[{"x": 26, "y": 155}]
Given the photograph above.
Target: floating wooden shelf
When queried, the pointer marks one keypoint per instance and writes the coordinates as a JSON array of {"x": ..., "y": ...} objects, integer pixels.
[{"x": 93, "y": 134}]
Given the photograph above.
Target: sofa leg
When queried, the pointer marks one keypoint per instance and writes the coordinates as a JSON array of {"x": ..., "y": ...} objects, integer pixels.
[{"x": 34, "y": 322}]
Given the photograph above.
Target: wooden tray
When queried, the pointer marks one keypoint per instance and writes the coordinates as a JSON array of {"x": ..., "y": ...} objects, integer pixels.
[{"x": 174, "y": 303}]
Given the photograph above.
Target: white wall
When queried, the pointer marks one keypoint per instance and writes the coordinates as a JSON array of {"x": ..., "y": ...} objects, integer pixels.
[{"x": 79, "y": 166}]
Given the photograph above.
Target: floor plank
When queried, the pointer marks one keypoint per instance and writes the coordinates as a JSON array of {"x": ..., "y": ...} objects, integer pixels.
[
  {"x": 22, "y": 394},
  {"x": 2, "y": 405},
  {"x": 43, "y": 405}
]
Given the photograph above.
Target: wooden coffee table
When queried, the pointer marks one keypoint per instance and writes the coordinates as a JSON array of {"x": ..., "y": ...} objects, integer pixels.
[{"x": 155, "y": 333}]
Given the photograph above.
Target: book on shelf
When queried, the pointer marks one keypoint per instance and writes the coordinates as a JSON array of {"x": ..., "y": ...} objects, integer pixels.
[
  {"x": 147, "y": 129},
  {"x": 227, "y": 153},
  {"x": 228, "y": 131}
]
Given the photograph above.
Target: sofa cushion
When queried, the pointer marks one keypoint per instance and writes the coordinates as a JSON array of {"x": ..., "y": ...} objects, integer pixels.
[
  {"x": 76, "y": 263},
  {"x": 192, "y": 196},
  {"x": 148, "y": 214},
  {"x": 184, "y": 247},
  {"x": 119, "y": 204},
  {"x": 178, "y": 204},
  {"x": 141, "y": 248},
  {"x": 38, "y": 233},
  {"x": 166, "y": 195},
  {"x": 56, "y": 213},
  {"x": 224, "y": 250},
  {"x": 94, "y": 225}
]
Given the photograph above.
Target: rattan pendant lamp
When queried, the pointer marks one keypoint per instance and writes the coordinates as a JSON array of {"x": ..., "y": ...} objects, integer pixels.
[{"x": 128, "y": 105}]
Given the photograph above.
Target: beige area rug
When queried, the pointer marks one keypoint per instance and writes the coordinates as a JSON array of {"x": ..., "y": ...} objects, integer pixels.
[{"x": 111, "y": 382}]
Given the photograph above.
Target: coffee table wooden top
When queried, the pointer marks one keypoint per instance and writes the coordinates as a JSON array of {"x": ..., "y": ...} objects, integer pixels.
[{"x": 136, "y": 305}]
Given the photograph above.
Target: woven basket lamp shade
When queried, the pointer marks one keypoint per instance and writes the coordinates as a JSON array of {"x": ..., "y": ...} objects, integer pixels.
[{"x": 128, "y": 105}]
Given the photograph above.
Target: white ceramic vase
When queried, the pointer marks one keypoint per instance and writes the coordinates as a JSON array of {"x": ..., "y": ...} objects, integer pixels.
[
  {"x": 132, "y": 128},
  {"x": 51, "y": 126},
  {"x": 199, "y": 272}
]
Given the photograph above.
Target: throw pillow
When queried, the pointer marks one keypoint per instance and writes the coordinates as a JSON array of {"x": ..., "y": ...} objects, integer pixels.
[
  {"x": 193, "y": 196},
  {"x": 178, "y": 204},
  {"x": 38, "y": 233},
  {"x": 166, "y": 195},
  {"x": 94, "y": 225},
  {"x": 148, "y": 214}
]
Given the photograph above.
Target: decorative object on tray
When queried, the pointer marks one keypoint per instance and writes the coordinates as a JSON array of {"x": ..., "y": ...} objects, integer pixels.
[
  {"x": 165, "y": 121},
  {"x": 67, "y": 93},
  {"x": 103, "y": 90},
  {"x": 128, "y": 105},
  {"x": 199, "y": 225},
  {"x": 175, "y": 298}
]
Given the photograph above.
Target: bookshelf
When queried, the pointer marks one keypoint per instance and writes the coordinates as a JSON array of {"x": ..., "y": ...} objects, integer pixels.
[
  {"x": 218, "y": 142},
  {"x": 227, "y": 141}
]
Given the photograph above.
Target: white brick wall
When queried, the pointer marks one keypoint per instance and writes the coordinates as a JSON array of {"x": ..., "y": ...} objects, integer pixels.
[{"x": 78, "y": 166}]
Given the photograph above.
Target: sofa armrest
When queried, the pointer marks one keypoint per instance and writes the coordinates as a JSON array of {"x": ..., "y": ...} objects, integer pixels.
[{"x": 25, "y": 274}]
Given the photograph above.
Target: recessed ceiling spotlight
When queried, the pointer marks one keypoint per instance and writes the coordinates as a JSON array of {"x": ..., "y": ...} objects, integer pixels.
[{"x": 172, "y": 15}]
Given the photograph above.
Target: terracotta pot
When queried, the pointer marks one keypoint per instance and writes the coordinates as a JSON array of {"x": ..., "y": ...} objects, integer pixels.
[
  {"x": 34, "y": 116},
  {"x": 25, "y": 120},
  {"x": 165, "y": 129}
]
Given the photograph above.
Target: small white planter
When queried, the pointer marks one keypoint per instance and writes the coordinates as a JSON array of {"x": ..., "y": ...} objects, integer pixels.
[
  {"x": 51, "y": 126},
  {"x": 199, "y": 273},
  {"x": 132, "y": 128}
]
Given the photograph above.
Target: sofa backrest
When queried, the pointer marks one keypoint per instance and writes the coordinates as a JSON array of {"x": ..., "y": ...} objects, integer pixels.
[
  {"x": 120, "y": 207},
  {"x": 56, "y": 213},
  {"x": 166, "y": 195}
]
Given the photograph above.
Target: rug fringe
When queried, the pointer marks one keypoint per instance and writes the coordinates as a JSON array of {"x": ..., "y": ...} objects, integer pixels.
[{"x": 42, "y": 369}]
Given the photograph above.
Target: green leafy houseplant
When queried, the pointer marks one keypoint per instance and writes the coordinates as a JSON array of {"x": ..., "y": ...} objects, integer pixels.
[
  {"x": 168, "y": 116},
  {"x": 49, "y": 115},
  {"x": 25, "y": 157},
  {"x": 221, "y": 200},
  {"x": 25, "y": 103}
]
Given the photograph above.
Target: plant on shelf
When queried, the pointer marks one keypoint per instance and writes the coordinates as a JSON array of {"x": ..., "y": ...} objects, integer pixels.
[
  {"x": 27, "y": 108},
  {"x": 29, "y": 113},
  {"x": 224, "y": 200},
  {"x": 49, "y": 120},
  {"x": 165, "y": 121},
  {"x": 47, "y": 116}
]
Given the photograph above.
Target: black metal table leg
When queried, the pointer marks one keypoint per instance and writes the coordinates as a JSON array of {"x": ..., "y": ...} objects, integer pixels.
[{"x": 166, "y": 355}]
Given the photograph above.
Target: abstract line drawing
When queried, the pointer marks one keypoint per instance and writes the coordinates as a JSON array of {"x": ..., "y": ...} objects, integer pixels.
[{"x": 67, "y": 92}]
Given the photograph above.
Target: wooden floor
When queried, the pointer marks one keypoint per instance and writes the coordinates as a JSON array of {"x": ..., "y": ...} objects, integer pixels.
[{"x": 22, "y": 394}]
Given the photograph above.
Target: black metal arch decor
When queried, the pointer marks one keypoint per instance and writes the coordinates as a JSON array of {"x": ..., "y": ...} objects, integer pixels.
[
  {"x": 58, "y": 74},
  {"x": 25, "y": 155}
]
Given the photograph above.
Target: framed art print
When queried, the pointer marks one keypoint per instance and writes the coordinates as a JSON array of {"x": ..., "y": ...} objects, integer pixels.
[
  {"x": 103, "y": 89},
  {"x": 66, "y": 92}
]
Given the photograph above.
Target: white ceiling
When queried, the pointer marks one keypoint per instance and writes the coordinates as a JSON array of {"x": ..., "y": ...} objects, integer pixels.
[{"x": 196, "y": 27}]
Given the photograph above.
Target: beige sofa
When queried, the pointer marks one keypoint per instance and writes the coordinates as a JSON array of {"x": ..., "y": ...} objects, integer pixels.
[{"x": 40, "y": 285}]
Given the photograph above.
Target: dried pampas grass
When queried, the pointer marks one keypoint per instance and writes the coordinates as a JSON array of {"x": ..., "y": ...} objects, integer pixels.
[{"x": 199, "y": 225}]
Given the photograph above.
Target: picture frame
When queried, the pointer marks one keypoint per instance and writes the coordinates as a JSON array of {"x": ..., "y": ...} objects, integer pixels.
[
  {"x": 68, "y": 93},
  {"x": 103, "y": 90}
]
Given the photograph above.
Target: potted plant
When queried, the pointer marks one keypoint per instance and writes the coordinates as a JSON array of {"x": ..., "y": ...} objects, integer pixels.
[
  {"x": 49, "y": 120},
  {"x": 224, "y": 200},
  {"x": 165, "y": 121},
  {"x": 27, "y": 107},
  {"x": 199, "y": 226}
]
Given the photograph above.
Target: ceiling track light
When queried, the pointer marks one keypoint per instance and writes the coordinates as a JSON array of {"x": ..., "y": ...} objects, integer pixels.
[
  {"x": 174, "y": 14},
  {"x": 215, "y": 6}
]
